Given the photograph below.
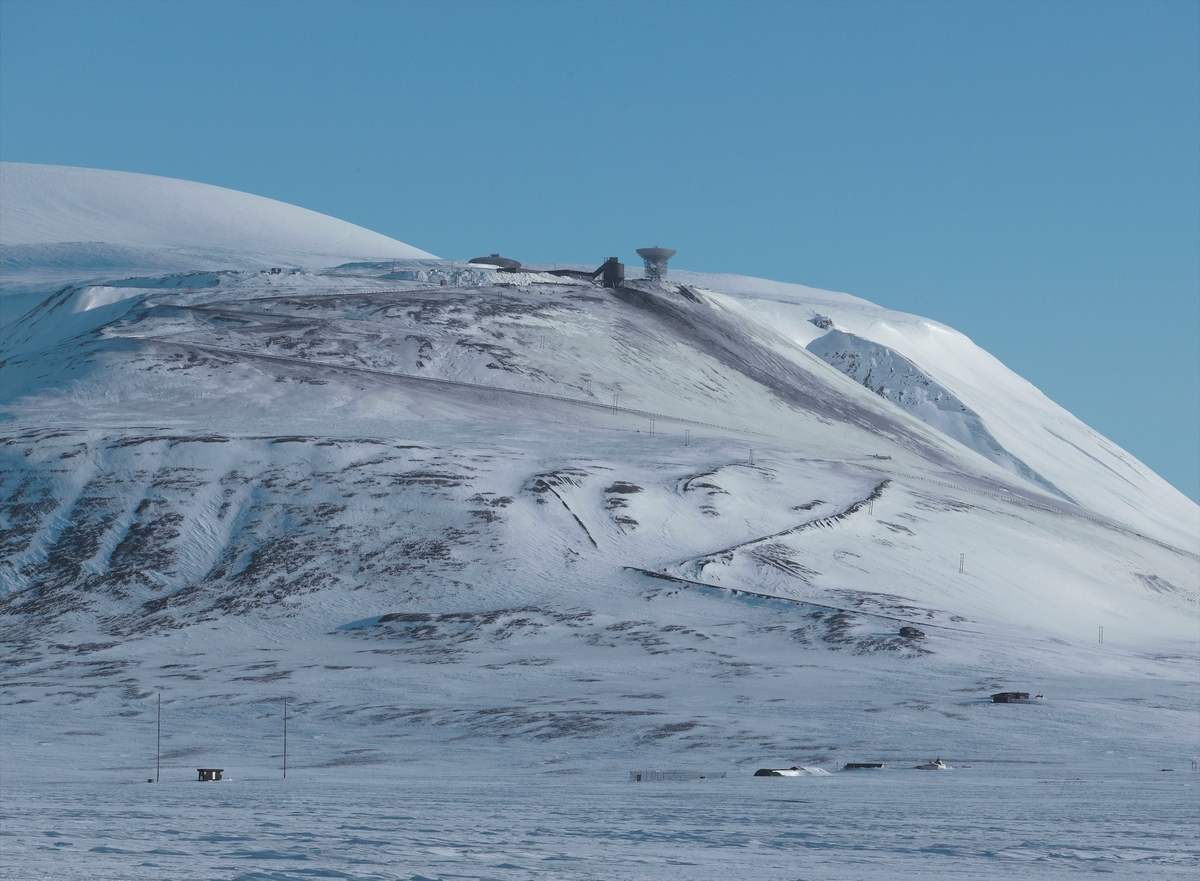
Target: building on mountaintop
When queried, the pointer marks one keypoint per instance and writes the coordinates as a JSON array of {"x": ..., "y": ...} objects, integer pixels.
[{"x": 497, "y": 261}]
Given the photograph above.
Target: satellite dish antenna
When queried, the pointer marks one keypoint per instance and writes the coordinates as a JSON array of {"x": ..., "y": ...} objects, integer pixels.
[{"x": 656, "y": 261}]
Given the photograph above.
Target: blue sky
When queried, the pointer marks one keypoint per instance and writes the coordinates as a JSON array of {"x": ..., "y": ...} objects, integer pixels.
[{"x": 1027, "y": 173}]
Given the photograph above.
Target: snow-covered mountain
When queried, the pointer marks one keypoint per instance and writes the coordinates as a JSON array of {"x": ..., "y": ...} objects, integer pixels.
[
  {"x": 83, "y": 219},
  {"x": 502, "y": 510}
]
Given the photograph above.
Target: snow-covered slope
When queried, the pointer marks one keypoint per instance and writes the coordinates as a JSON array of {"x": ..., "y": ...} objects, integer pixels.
[
  {"x": 1027, "y": 426},
  {"x": 524, "y": 522},
  {"x": 894, "y": 378},
  {"x": 83, "y": 217}
]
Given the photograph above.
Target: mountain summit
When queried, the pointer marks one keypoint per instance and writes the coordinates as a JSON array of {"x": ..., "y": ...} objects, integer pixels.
[{"x": 54, "y": 214}]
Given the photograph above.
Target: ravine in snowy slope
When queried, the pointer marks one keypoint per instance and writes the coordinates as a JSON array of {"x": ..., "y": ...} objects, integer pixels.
[{"x": 894, "y": 378}]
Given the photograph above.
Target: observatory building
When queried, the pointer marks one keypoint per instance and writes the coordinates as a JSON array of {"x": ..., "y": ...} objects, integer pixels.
[
  {"x": 656, "y": 261},
  {"x": 497, "y": 261}
]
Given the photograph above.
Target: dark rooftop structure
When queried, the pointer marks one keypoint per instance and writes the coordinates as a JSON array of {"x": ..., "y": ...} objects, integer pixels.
[
  {"x": 207, "y": 774},
  {"x": 1010, "y": 697},
  {"x": 611, "y": 273},
  {"x": 656, "y": 261},
  {"x": 496, "y": 260}
]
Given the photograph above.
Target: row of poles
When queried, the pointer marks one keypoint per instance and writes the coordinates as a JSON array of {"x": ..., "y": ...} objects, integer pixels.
[
  {"x": 687, "y": 432},
  {"x": 687, "y": 442}
]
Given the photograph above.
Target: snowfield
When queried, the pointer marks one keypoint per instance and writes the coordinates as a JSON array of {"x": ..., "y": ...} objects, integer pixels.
[
  {"x": 59, "y": 219},
  {"x": 500, "y": 539}
]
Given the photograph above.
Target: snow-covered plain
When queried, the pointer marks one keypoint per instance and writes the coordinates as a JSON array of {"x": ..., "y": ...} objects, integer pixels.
[{"x": 500, "y": 540}]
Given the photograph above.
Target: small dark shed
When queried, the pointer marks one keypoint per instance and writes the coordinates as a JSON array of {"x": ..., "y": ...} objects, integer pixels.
[
  {"x": 210, "y": 774},
  {"x": 1010, "y": 697},
  {"x": 861, "y": 766}
]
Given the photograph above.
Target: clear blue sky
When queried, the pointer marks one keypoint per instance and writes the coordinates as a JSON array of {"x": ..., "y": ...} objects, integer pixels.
[{"x": 1027, "y": 173}]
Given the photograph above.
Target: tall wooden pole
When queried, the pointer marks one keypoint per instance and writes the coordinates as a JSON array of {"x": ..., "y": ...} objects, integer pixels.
[
  {"x": 158, "y": 753},
  {"x": 285, "y": 740}
]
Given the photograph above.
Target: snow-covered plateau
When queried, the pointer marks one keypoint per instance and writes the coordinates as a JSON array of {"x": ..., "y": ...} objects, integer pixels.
[{"x": 503, "y": 541}]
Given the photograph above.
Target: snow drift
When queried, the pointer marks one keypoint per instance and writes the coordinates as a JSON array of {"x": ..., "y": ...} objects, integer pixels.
[{"x": 85, "y": 218}]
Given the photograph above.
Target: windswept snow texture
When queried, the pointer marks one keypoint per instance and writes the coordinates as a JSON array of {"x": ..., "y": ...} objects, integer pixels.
[
  {"x": 499, "y": 540},
  {"x": 1079, "y": 462},
  {"x": 893, "y": 377},
  {"x": 88, "y": 219}
]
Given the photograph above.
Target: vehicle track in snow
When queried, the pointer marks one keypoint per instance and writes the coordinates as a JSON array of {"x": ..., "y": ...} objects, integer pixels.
[
  {"x": 735, "y": 591},
  {"x": 1025, "y": 503},
  {"x": 816, "y": 522}
]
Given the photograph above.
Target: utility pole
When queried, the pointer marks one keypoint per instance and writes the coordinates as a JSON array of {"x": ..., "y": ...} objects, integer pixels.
[
  {"x": 651, "y": 428},
  {"x": 614, "y": 405},
  {"x": 961, "y": 561},
  {"x": 1101, "y": 634},
  {"x": 687, "y": 437},
  {"x": 158, "y": 752},
  {"x": 285, "y": 740}
]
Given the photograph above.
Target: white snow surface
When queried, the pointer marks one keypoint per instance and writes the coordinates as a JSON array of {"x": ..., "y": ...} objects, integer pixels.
[
  {"x": 500, "y": 539},
  {"x": 893, "y": 377},
  {"x": 1088, "y": 467},
  {"x": 53, "y": 214}
]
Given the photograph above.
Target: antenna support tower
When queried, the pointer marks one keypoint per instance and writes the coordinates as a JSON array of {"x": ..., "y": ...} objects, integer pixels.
[{"x": 656, "y": 261}]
